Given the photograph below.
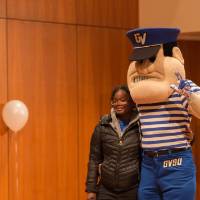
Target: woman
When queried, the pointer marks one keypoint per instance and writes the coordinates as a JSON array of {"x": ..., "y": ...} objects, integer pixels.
[{"x": 113, "y": 168}]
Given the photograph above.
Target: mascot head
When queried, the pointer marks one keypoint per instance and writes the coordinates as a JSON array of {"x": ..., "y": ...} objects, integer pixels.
[{"x": 155, "y": 62}]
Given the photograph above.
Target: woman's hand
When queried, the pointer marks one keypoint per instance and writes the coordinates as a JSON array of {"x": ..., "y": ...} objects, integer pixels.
[{"x": 91, "y": 196}]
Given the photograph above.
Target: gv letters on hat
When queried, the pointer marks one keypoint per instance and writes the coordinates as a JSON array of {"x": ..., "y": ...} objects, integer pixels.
[{"x": 147, "y": 41}]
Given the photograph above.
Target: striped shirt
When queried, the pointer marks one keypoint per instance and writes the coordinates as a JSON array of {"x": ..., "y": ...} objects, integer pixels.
[{"x": 164, "y": 124}]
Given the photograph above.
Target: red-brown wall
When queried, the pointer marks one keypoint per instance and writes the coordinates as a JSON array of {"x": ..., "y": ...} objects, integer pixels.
[
  {"x": 62, "y": 58},
  {"x": 3, "y": 98},
  {"x": 190, "y": 49}
]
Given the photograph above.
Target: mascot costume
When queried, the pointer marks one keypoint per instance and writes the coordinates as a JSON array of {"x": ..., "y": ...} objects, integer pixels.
[{"x": 166, "y": 100}]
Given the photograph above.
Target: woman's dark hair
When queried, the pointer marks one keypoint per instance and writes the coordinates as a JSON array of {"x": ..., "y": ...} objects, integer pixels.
[{"x": 120, "y": 87}]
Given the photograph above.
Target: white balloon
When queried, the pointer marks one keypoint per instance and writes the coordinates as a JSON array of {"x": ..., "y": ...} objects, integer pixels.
[{"x": 15, "y": 114}]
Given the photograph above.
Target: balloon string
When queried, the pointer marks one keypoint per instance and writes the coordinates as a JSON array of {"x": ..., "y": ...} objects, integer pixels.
[{"x": 17, "y": 169}]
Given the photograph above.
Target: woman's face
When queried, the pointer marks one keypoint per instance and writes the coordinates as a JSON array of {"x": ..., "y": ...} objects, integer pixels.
[{"x": 122, "y": 103}]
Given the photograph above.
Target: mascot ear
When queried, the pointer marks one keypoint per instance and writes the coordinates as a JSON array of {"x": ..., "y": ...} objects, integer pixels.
[{"x": 176, "y": 52}]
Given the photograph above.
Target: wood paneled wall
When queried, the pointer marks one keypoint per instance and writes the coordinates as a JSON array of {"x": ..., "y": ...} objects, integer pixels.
[
  {"x": 3, "y": 98},
  {"x": 2, "y": 8},
  {"x": 114, "y": 13},
  {"x": 190, "y": 50},
  {"x": 43, "y": 10},
  {"x": 62, "y": 58}
]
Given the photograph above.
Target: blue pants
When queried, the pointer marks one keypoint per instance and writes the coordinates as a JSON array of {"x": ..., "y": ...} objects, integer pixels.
[{"x": 168, "y": 177}]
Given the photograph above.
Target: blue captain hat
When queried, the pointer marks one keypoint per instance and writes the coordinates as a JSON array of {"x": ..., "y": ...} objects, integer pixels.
[{"x": 147, "y": 41}]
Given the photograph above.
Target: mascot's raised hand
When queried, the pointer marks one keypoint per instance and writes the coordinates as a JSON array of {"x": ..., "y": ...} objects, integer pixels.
[
  {"x": 183, "y": 87},
  {"x": 191, "y": 91}
]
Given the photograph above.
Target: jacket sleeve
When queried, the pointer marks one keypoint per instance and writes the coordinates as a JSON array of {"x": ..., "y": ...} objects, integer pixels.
[{"x": 95, "y": 158}]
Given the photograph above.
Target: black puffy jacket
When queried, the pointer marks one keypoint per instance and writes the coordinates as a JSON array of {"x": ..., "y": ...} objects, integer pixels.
[{"x": 117, "y": 157}]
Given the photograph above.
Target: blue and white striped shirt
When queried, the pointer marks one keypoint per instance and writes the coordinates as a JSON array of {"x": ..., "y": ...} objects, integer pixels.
[{"x": 164, "y": 124}]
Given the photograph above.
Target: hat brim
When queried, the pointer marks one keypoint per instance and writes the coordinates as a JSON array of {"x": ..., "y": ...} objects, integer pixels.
[{"x": 144, "y": 53}]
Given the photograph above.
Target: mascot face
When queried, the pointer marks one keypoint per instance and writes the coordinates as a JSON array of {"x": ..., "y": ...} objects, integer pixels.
[{"x": 149, "y": 81}]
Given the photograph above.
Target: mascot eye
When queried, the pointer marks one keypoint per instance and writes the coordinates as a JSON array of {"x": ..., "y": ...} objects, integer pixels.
[{"x": 152, "y": 59}]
